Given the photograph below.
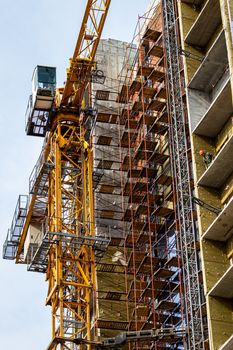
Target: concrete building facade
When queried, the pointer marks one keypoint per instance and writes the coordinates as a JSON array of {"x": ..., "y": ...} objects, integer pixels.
[{"x": 206, "y": 40}]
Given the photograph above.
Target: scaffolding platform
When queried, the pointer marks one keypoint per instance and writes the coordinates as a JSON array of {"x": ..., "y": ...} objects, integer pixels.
[
  {"x": 151, "y": 34},
  {"x": 38, "y": 180},
  {"x": 14, "y": 233},
  {"x": 147, "y": 92},
  {"x": 164, "y": 273},
  {"x": 135, "y": 290},
  {"x": 159, "y": 128},
  {"x": 147, "y": 265},
  {"x": 139, "y": 106},
  {"x": 159, "y": 158},
  {"x": 111, "y": 324},
  {"x": 157, "y": 104},
  {"x": 38, "y": 261},
  {"x": 166, "y": 305},
  {"x": 156, "y": 50},
  {"x": 135, "y": 86}
]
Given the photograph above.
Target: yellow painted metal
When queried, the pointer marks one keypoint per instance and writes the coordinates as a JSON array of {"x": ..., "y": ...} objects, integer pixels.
[
  {"x": 71, "y": 269},
  {"x": 65, "y": 208},
  {"x": 82, "y": 62}
]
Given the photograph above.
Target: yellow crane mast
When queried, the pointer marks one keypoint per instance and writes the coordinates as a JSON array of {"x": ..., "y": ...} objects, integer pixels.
[{"x": 54, "y": 231}]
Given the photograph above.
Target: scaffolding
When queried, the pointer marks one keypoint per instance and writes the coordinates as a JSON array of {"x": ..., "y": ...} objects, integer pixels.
[
  {"x": 124, "y": 259},
  {"x": 153, "y": 270},
  {"x": 139, "y": 172},
  {"x": 182, "y": 178}
]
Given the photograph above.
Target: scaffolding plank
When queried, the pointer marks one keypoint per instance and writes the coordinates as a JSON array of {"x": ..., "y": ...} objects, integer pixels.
[
  {"x": 145, "y": 238},
  {"x": 140, "y": 186},
  {"x": 135, "y": 86},
  {"x": 164, "y": 179},
  {"x": 110, "y": 324},
  {"x": 148, "y": 263},
  {"x": 152, "y": 198},
  {"x": 166, "y": 305},
  {"x": 157, "y": 104},
  {"x": 139, "y": 106},
  {"x": 163, "y": 117},
  {"x": 146, "y": 119},
  {"x": 156, "y": 51},
  {"x": 136, "y": 198},
  {"x": 145, "y": 70},
  {"x": 151, "y": 34},
  {"x": 135, "y": 259},
  {"x": 128, "y": 215},
  {"x": 163, "y": 211},
  {"x": 163, "y": 273},
  {"x": 157, "y": 75},
  {"x": 131, "y": 239},
  {"x": 134, "y": 173},
  {"x": 137, "y": 225},
  {"x": 159, "y": 128},
  {"x": 135, "y": 289},
  {"x": 148, "y": 172},
  {"x": 162, "y": 93},
  {"x": 159, "y": 157},
  {"x": 173, "y": 262},
  {"x": 142, "y": 210},
  {"x": 147, "y": 92}
]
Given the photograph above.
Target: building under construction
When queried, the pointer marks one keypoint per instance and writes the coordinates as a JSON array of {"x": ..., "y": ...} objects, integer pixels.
[{"x": 129, "y": 213}]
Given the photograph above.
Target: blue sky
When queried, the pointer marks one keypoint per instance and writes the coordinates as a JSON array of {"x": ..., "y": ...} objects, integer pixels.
[{"x": 35, "y": 32}]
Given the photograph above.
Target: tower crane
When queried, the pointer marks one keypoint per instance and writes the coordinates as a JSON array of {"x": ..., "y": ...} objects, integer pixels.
[{"x": 53, "y": 228}]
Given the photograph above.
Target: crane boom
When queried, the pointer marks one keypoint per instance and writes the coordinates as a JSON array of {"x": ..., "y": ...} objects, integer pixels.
[
  {"x": 84, "y": 54},
  {"x": 82, "y": 61}
]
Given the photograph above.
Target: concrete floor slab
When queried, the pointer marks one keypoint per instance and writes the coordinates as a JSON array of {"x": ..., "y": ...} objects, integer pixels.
[
  {"x": 216, "y": 116},
  {"x": 220, "y": 168},
  {"x": 212, "y": 66},
  {"x": 192, "y": 2},
  {"x": 223, "y": 287},
  {"x": 222, "y": 227},
  {"x": 205, "y": 25},
  {"x": 228, "y": 345}
]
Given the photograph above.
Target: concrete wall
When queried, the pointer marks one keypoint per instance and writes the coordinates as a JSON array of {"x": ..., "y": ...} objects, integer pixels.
[
  {"x": 111, "y": 56},
  {"x": 217, "y": 62}
]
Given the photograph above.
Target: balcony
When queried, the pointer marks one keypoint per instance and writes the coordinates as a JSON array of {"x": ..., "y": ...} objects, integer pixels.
[
  {"x": 205, "y": 25},
  {"x": 228, "y": 345},
  {"x": 220, "y": 168},
  {"x": 216, "y": 116},
  {"x": 223, "y": 287},
  {"x": 212, "y": 67},
  {"x": 221, "y": 228}
]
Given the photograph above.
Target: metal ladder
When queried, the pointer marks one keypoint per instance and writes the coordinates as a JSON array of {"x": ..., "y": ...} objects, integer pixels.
[{"x": 182, "y": 179}]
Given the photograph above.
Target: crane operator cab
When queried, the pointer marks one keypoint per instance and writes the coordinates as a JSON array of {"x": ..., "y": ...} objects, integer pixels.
[{"x": 41, "y": 100}]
